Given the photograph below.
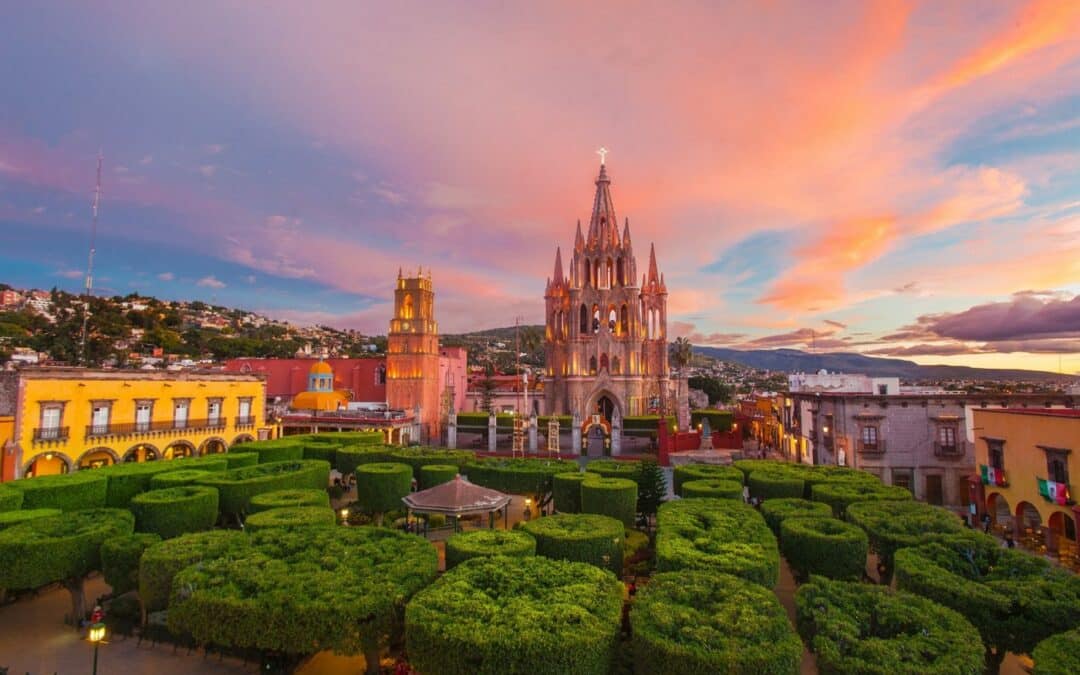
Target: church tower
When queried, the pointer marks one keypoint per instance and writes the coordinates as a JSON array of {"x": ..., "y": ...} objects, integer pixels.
[
  {"x": 412, "y": 353},
  {"x": 605, "y": 336}
]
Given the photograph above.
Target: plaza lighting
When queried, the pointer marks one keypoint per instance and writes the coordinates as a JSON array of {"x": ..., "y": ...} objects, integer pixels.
[{"x": 97, "y": 636}]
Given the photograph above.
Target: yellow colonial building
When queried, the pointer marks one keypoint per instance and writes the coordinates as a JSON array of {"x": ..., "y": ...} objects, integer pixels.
[{"x": 66, "y": 419}]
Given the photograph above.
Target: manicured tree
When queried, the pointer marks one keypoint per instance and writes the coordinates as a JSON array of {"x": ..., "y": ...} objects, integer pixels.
[
  {"x": 695, "y": 623},
  {"x": 716, "y": 535},
  {"x": 11, "y": 499},
  {"x": 302, "y": 591},
  {"x": 566, "y": 491},
  {"x": 236, "y": 487},
  {"x": 171, "y": 479},
  {"x": 285, "y": 498},
  {"x": 240, "y": 459},
  {"x": 13, "y": 518},
  {"x": 687, "y": 472},
  {"x": 529, "y": 616},
  {"x": 1058, "y": 654},
  {"x": 321, "y": 450},
  {"x": 776, "y": 510},
  {"x": 1015, "y": 599},
  {"x": 488, "y": 543},
  {"x": 746, "y": 466},
  {"x": 839, "y": 494},
  {"x": 67, "y": 492},
  {"x": 892, "y": 525},
  {"x": 765, "y": 484},
  {"x": 161, "y": 562},
  {"x": 580, "y": 537},
  {"x": 612, "y": 468},
  {"x": 352, "y": 456},
  {"x": 133, "y": 478},
  {"x": 615, "y": 497},
  {"x": 381, "y": 487},
  {"x": 419, "y": 457},
  {"x": 712, "y": 488},
  {"x": 175, "y": 511},
  {"x": 824, "y": 545},
  {"x": 346, "y": 438},
  {"x": 652, "y": 487},
  {"x": 120, "y": 560},
  {"x": 864, "y": 628},
  {"x": 277, "y": 450},
  {"x": 291, "y": 517},
  {"x": 531, "y": 477},
  {"x": 62, "y": 548},
  {"x": 436, "y": 474}
]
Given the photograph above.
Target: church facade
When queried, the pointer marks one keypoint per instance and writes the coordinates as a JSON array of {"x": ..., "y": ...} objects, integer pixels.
[{"x": 606, "y": 335}]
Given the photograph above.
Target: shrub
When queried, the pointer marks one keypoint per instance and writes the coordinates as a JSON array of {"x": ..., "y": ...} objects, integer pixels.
[
  {"x": 120, "y": 560},
  {"x": 699, "y": 623},
  {"x": 436, "y": 474},
  {"x": 687, "y": 472},
  {"x": 344, "y": 438},
  {"x": 238, "y": 460},
  {"x": 236, "y": 487},
  {"x": 716, "y": 535},
  {"x": 291, "y": 517},
  {"x": 288, "y": 498},
  {"x": 810, "y": 474},
  {"x": 1058, "y": 654},
  {"x": 67, "y": 492},
  {"x": 277, "y": 450},
  {"x": 1014, "y": 599},
  {"x": 892, "y": 525},
  {"x": 305, "y": 590},
  {"x": 161, "y": 562},
  {"x": 419, "y": 457},
  {"x": 840, "y": 494},
  {"x": 171, "y": 479},
  {"x": 611, "y": 468},
  {"x": 175, "y": 511},
  {"x": 13, "y": 518},
  {"x": 713, "y": 489},
  {"x": 746, "y": 466},
  {"x": 532, "y": 617},
  {"x": 580, "y": 537},
  {"x": 11, "y": 499},
  {"x": 380, "y": 487},
  {"x": 652, "y": 487},
  {"x": 615, "y": 497},
  {"x": 765, "y": 485},
  {"x": 323, "y": 450},
  {"x": 823, "y": 545},
  {"x": 487, "y": 543},
  {"x": 776, "y": 510},
  {"x": 636, "y": 544},
  {"x": 566, "y": 491},
  {"x": 132, "y": 478},
  {"x": 864, "y": 628},
  {"x": 719, "y": 420},
  {"x": 518, "y": 476},
  {"x": 350, "y": 457}
]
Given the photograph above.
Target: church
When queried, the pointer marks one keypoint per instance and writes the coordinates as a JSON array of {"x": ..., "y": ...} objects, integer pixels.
[{"x": 606, "y": 335}]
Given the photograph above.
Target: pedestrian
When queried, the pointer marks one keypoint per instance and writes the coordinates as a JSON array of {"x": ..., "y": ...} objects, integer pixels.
[
  {"x": 986, "y": 521},
  {"x": 1009, "y": 543}
]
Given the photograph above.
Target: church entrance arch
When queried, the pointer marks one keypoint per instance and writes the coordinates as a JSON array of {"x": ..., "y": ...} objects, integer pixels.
[{"x": 596, "y": 428}]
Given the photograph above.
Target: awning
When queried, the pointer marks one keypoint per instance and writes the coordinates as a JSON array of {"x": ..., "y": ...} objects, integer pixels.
[{"x": 456, "y": 497}]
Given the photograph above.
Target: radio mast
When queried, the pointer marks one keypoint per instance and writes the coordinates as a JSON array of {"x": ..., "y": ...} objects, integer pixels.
[{"x": 90, "y": 264}]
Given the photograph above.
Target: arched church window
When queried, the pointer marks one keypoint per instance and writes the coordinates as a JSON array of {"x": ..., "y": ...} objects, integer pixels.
[
  {"x": 603, "y": 362},
  {"x": 380, "y": 375},
  {"x": 620, "y": 272},
  {"x": 610, "y": 273},
  {"x": 588, "y": 272},
  {"x": 644, "y": 361},
  {"x": 614, "y": 365},
  {"x": 613, "y": 319},
  {"x": 407, "y": 307},
  {"x": 624, "y": 324},
  {"x": 592, "y": 365},
  {"x": 584, "y": 328},
  {"x": 595, "y": 319}
]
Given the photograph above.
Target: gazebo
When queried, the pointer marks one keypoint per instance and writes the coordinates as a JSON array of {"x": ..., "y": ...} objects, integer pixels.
[{"x": 457, "y": 498}]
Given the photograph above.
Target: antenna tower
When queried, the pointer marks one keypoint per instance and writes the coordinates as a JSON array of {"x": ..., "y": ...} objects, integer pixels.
[{"x": 90, "y": 264}]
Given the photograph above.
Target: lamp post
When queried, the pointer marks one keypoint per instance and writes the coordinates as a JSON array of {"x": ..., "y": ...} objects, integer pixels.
[{"x": 97, "y": 636}]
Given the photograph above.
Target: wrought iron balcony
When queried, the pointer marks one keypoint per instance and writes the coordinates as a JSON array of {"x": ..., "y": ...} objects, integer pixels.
[
  {"x": 158, "y": 427},
  {"x": 875, "y": 448},
  {"x": 950, "y": 450},
  {"x": 245, "y": 421},
  {"x": 51, "y": 434}
]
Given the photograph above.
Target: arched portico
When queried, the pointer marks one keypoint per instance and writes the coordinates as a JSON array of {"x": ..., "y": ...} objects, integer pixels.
[
  {"x": 95, "y": 458},
  {"x": 998, "y": 508},
  {"x": 213, "y": 446},
  {"x": 242, "y": 438},
  {"x": 143, "y": 452},
  {"x": 179, "y": 449},
  {"x": 47, "y": 464}
]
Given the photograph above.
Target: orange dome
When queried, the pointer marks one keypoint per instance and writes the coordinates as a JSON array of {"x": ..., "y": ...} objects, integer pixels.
[
  {"x": 321, "y": 367},
  {"x": 319, "y": 400}
]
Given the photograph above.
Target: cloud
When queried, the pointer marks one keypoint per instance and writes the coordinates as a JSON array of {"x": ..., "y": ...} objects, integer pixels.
[
  {"x": 166, "y": 276},
  {"x": 250, "y": 278},
  {"x": 147, "y": 159},
  {"x": 208, "y": 170},
  {"x": 210, "y": 282},
  {"x": 1024, "y": 317},
  {"x": 387, "y": 194},
  {"x": 70, "y": 273},
  {"x": 836, "y": 324},
  {"x": 213, "y": 149}
]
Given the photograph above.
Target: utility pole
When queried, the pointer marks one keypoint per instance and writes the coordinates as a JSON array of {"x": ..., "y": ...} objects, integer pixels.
[{"x": 90, "y": 264}]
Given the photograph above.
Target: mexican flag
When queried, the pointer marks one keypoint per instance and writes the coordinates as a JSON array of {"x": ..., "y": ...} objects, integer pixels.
[
  {"x": 1057, "y": 493},
  {"x": 992, "y": 476}
]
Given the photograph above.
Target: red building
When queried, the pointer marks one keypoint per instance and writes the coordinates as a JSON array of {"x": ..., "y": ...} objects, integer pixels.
[{"x": 363, "y": 379}]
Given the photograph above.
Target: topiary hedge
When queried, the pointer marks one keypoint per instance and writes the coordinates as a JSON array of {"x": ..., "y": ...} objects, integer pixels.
[
  {"x": 532, "y": 616},
  {"x": 611, "y": 468},
  {"x": 687, "y": 472},
  {"x": 305, "y": 590},
  {"x": 236, "y": 487},
  {"x": 11, "y": 499},
  {"x": 840, "y": 494},
  {"x": 350, "y": 457},
  {"x": 716, "y": 535},
  {"x": 289, "y": 498},
  {"x": 765, "y": 485},
  {"x": 277, "y": 450},
  {"x": 171, "y": 479},
  {"x": 120, "y": 560},
  {"x": 238, "y": 460},
  {"x": 615, "y": 497},
  {"x": 326, "y": 451},
  {"x": 746, "y": 466},
  {"x": 487, "y": 543},
  {"x": 518, "y": 476},
  {"x": 712, "y": 489},
  {"x": 161, "y": 562},
  {"x": 810, "y": 474},
  {"x": 776, "y": 510},
  {"x": 67, "y": 492},
  {"x": 132, "y": 478},
  {"x": 1014, "y": 599},
  {"x": 700, "y": 623},
  {"x": 175, "y": 511},
  {"x": 719, "y": 420},
  {"x": 419, "y": 457},
  {"x": 892, "y": 525},
  {"x": 344, "y": 438},
  {"x": 580, "y": 537},
  {"x": 291, "y": 517},
  {"x": 381, "y": 487},
  {"x": 865, "y": 628},
  {"x": 566, "y": 491},
  {"x": 13, "y": 518},
  {"x": 436, "y": 474},
  {"x": 1058, "y": 654},
  {"x": 823, "y": 545}
]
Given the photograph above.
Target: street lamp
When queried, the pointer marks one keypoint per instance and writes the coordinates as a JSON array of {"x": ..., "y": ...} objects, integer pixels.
[{"x": 97, "y": 636}]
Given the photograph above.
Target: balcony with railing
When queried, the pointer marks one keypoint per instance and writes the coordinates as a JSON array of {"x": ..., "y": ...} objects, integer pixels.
[
  {"x": 245, "y": 422},
  {"x": 955, "y": 450},
  {"x": 51, "y": 434},
  {"x": 160, "y": 427},
  {"x": 870, "y": 447}
]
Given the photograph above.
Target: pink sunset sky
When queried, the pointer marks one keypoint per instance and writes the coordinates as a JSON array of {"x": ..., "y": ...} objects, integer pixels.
[{"x": 894, "y": 178}]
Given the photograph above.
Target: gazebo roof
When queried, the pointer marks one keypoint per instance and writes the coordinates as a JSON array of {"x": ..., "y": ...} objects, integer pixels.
[{"x": 456, "y": 497}]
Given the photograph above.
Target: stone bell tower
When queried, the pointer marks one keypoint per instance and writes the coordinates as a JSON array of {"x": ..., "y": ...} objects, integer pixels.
[{"x": 412, "y": 354}]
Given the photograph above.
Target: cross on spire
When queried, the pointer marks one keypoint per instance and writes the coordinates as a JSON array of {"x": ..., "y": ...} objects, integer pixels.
[{"x": 603, "y": 154}]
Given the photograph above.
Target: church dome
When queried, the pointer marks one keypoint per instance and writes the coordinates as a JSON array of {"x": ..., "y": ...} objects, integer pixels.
[
  {"x": 320, "y": 367},
  {"x": 320, "y": 400}
]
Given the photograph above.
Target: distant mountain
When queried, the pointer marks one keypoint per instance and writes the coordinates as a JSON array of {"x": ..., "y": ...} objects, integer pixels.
[{"x": 794, "y": 360}]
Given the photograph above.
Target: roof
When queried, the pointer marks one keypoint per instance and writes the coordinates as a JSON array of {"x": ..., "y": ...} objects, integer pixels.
[
  {"x": 288, "y": 377},
  {"x": 1052, "y": 412},
  {"x": 320, "y": 367},
  {"x": 456, "y": 497},
  {"x": 319, "y": 400}
]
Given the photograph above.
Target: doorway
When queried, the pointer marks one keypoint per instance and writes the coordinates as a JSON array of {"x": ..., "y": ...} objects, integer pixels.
[{"x": 934, "y": 491}]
